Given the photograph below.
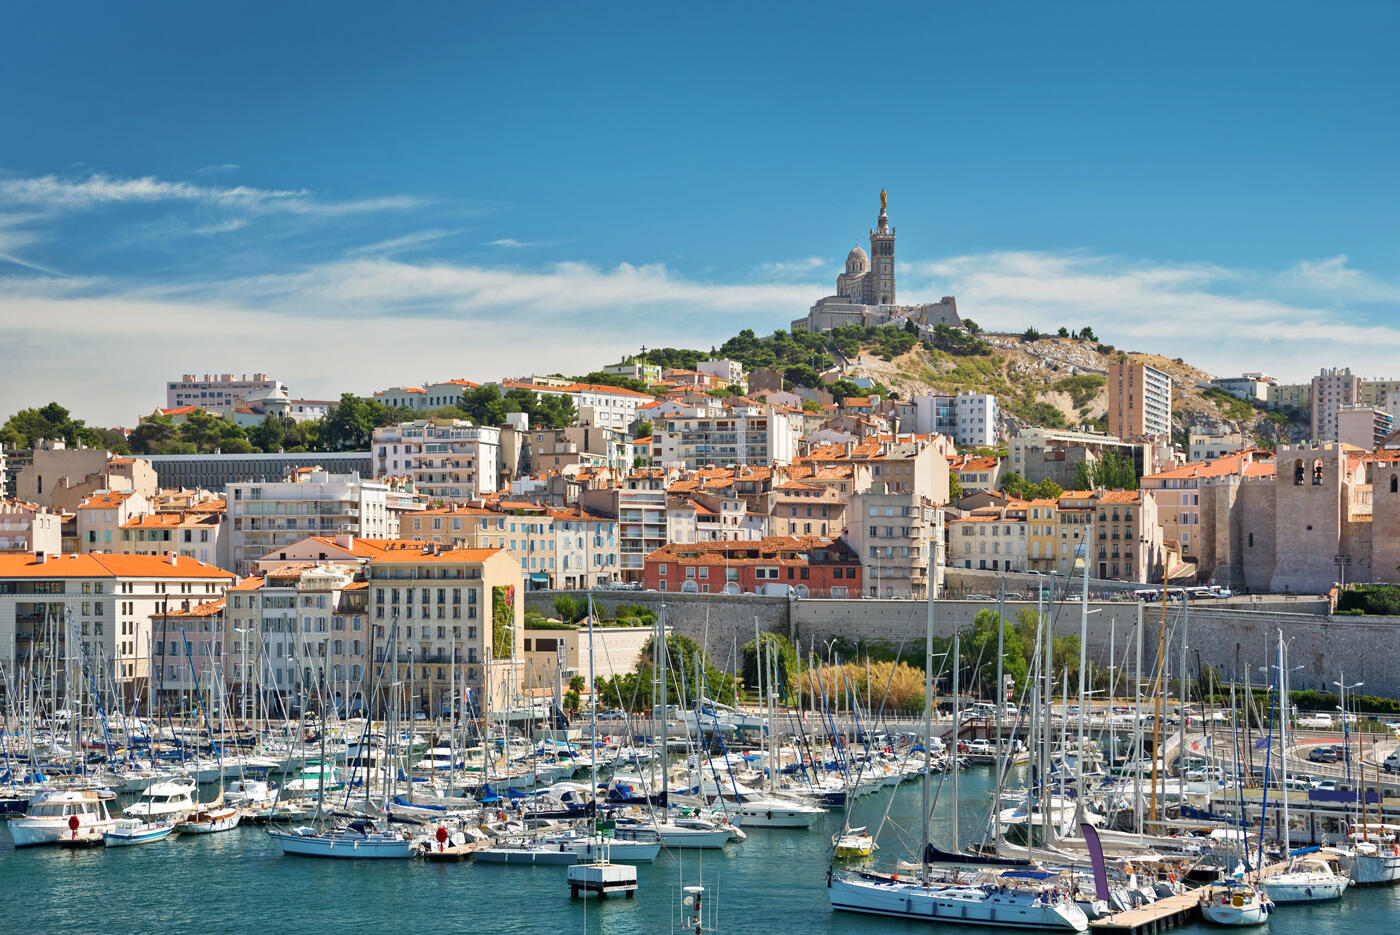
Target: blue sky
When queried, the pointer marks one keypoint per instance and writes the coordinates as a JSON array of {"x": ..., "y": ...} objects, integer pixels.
[{"x": 350, "y": 196}]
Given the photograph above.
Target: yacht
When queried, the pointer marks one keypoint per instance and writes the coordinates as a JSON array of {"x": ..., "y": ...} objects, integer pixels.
[
  {"x": 941, "y": 901},
  {"x": 62, "y": 816},
  {"x": 763, "y": 811},
  {"x": 210, "y": 819},
  {"x": 164, "y": 800},
  {"x": 1308, "y": 878},
  {"x": 359, "y": 840}
]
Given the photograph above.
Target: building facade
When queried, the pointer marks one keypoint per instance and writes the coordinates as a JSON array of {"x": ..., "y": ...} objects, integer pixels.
[
  {"x": 1139, "y": 400},
  {"x": 899, "y": 539},
  {"x": 216, "y": 390},
  {"x": 1332, "y": 389},
  {"x": 265, "y": 516},
  {"x": 810, "y": 566},
  {"x": 447, "y": 459}
]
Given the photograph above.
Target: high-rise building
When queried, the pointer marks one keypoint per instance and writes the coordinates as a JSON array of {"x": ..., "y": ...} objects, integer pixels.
[
  {"x": 1332, "y": 389},
  {"x": 264, "y": 516},
  {"x": 1139, "y": 400},
  {"x": 448, "y": 459}
]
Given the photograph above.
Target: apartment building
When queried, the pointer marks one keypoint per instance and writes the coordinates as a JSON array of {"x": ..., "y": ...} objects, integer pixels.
[
  {"x": 1139, "y": 400},
  {"x": 95, "y": 610},
  {"x": 1363, "y": 426},
  {"x": 1119, "y": 530},
  {"x": 701, "y": 435},
  {"x": 801, "y": 509},
  {"x": 425, "y": 398},
  {"x": 1253, "y": 387},
  {"x": 431, "y": 609},
  {"x": 639, "y": 505},
  {"x": 216, "y": 390},
  {"x": 976, "y": 416},
  {"x": 99, "y": 519},
  {"x": 899, "y": 538},
  {"x": 299, "y": 628},
  {"x": 29, "y": 527},
  {"x": 264, "y": 516},
  {"x": 812, "y": 566},
  {"x": 1206, "y": 444},
  {"x": 604, "y": 406},
  {"x": 192, "y": 533},
  {"x": 447, "y": 459},
  {"x": 1332, "y": 389},
  {"x": 993, "y": 538}
]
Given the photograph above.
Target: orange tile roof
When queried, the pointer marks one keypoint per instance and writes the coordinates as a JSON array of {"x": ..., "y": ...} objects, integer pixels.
[
  {"x": 249, "y": 584},
  {"x": 105, "y": 565},
  {"x": 1121, "y": 496},
  {"x": 105, "y": 501},
  {"x": 178, "y": 410},
  {"x": 207, "y": 609}
]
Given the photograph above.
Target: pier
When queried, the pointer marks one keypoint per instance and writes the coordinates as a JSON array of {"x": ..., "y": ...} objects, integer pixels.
[{"x": 1166, "y": 913}]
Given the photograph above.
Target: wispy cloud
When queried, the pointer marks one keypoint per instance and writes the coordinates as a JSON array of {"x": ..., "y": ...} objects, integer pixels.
[
  {"x": 512, "y": 243},
  {"x": 786, "y": 269},
  {"x": 53, "y": 193},
  {"x": 396, "y": 245}
]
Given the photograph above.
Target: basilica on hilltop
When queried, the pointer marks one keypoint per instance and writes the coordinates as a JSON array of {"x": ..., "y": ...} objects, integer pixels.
[{"x": 865, "y": 292}]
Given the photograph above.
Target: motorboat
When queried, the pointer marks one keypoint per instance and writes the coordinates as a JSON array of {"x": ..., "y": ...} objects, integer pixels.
[
  {"x": 168, "y": 800},
  {"x": 72, "y": 817},
  {"x": 250, "y": 793},
  {"x": 854, "y": 842},
  {"x": 126, "y": 832},
  {"x": 1374, "y": 859},
  {"x": 762, "y": 811}
]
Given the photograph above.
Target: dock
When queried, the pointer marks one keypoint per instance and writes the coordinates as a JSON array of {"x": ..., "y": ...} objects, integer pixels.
[
  {"x": 1165, "y": 913},
  {"x": 602, "y": 878}
]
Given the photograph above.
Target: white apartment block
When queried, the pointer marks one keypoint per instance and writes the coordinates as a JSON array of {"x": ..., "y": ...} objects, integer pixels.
[
  {"x": 95, "y": 609},
  {"x": 976, "y": 417},
  {"x": 1208, "y": 444},
  {"x": 1332, "y": 389},
  {"x": 448, "y": 459},
  {"x": 936, "y": 414},
  {"x": 699, "y": 436},
  {"x": 604, "y": 406},
  {"x": 425, "y": 398},
  {"x": 730, "y": 371},
  {"x": 264, "y": 516},
  {"x": 1255, "y": 387},
  {"x": 216, "y": 390}
]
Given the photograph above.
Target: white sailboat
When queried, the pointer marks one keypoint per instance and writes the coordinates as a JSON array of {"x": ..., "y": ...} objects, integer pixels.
[
  {"x": 932, "y": 899},
  {"x": 1308, "y": 879}
]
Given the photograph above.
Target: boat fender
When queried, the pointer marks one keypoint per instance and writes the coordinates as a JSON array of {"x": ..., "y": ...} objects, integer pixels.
[{"x": 770, "y": 814}]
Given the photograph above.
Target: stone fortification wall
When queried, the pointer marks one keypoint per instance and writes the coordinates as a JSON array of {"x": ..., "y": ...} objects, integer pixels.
[{"x": 1361, "y": 648}]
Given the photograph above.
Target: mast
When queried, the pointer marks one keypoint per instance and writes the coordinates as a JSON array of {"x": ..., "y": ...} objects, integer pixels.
[
  {"x": 957, "y": 724},
  {"x": 928, "y": 732},
  {"x": 1137, "y": 722},
  {"x": 1157, "y": 689},
  {"x": 1181, "y": 691},
  {"x": 663, "y": 650},
  {"x": 1283, "y": 738},
  {"x": 998, "y": 696},
  {"x": 1083, "y": 659},
  {"x": 592, "y": 741}
]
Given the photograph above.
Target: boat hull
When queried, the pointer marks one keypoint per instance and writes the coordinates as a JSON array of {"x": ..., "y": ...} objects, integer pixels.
[
  {"x": 908, "y": 900},
  {"x": 344, "y": 848}
]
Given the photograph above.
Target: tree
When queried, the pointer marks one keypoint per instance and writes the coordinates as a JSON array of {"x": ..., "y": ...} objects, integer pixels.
[
  {"x": 811, "y": 405},
  {"x": 1087, "y": 334},
  {"x": 27, "y": 426},
  {"x": 801, "y": 375},
  {"x": 349, "y": 425},
  {"x": 955, "y": 490},
  {"x": 568, "y": 609},
  {"x": 484, "y": 406},
  {"x": 644, "y": 429},
  {"x": 787, "y": 662},
  {"x": 502, "y": 617},
  {"x": 1063, "y": 332},
  {"x": 153, "y": 436},
  {"x": 971, "y": 326},
  {"x": 979, "y": 651}
]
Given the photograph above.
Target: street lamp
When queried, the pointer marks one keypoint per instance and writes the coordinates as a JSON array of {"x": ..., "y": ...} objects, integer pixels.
[{"x": 1342, "y": 688}]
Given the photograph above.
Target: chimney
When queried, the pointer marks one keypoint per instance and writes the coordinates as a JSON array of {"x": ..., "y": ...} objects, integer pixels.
[
  {"x": 172, "y": 558},
  {"x": 346, "y": 542},
  {"x": 41, "y": 558}
]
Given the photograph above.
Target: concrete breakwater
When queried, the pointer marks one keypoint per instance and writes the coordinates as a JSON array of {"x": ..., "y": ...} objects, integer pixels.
[{"x": 1364, "y": 648}]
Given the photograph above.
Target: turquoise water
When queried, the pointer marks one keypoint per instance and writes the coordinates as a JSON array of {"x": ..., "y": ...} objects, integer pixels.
[{"x": 239, "y": 883}]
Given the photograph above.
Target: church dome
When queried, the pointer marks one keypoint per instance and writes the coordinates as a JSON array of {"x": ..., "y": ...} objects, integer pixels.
[{"x": 856, "y": 260}]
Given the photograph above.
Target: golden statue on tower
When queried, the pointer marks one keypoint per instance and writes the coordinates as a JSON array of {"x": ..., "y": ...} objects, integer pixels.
[{"x": 883, "y": 199}]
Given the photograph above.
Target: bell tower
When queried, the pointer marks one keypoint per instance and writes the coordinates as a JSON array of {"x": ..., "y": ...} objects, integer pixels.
[{"x": 882, "y": 258}]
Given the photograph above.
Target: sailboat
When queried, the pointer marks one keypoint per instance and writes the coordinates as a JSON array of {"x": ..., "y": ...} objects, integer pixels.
[
  {"x": 934, "y": 899},
  {"x": 600, "y": 875},
  {"x": 356, "y": 840},
  {"x": 1309, "y": 878}
]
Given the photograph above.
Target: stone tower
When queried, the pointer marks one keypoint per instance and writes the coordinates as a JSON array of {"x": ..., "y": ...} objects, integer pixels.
[
  {"x": 882, "y": 259},
  {"x": 1309, "y": 509},
  {"x": 1385, "y": 520}
]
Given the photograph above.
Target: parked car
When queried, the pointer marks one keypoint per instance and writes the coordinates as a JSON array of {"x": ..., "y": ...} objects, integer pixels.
[
  {"x": 1392, "y": 762},
  {"x": 1323, "y": 755}
]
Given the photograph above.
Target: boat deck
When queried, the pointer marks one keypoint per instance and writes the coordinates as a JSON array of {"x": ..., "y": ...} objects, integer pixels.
[{"x": 1165, "y": 913}]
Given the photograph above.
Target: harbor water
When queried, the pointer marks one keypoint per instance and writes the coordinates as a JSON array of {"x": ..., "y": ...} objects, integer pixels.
[{"x": 239, "y": 883}]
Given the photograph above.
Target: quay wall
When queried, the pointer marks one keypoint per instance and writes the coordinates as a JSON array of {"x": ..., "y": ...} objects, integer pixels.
[{"x": 1327, "y": 648}]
